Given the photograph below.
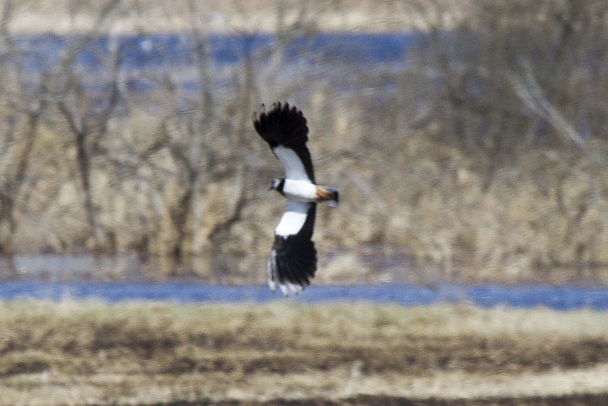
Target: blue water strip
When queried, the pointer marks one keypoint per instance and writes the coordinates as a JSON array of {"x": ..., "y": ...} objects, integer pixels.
[{"x": 553, "y": 297}]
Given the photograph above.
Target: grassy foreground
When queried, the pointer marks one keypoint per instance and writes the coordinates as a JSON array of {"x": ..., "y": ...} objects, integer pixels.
[{"x": 286, "y": 353}]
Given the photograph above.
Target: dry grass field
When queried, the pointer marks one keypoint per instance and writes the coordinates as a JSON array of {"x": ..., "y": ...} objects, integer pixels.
[{"x": 292, "y": 354}]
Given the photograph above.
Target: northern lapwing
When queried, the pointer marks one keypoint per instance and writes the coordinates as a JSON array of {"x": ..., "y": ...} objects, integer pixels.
[{"x": 293, "y": 258}]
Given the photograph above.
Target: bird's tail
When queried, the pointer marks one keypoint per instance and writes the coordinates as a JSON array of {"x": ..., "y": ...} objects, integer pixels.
[{"x": 328, "y": 195}]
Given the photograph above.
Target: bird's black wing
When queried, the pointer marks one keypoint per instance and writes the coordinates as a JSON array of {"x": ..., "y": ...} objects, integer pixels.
[
  {"x": 284, "y": 128},
  {"x": 293, "y": 259}
]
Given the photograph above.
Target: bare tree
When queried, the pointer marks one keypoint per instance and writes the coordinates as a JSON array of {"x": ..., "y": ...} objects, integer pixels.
[
  {"x": 87, "y": 114},
  {"x": 23, "y": 111},
  {"x": 534, "y": 99}
]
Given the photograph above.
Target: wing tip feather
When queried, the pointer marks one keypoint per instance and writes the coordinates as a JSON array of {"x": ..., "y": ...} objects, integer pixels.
[
  {"x": 282, "y": 124},
  {"x": 293, "y": 276}
]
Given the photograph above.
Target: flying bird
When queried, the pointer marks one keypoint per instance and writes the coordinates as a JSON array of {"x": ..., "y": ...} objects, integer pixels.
[{"x": 293, "y": 258}]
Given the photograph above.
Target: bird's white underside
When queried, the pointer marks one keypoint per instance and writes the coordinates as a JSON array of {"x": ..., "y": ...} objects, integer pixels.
[
  {"x": 292, "y": 164},
  {"x": 293, "y": 219},
  {"x": 300, "y": 191}
]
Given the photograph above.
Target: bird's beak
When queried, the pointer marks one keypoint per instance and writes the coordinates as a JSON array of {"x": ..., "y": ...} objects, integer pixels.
[{"x": 270, "y": 188}]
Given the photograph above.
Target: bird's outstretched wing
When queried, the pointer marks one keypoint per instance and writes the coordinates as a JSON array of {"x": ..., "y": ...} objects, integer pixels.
[
  {"x": 293, "y": 259},
  {"x": 284, "y": 128}
]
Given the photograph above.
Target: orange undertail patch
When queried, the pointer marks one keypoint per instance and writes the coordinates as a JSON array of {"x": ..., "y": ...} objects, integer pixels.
[{"x": 324, "y": 195}]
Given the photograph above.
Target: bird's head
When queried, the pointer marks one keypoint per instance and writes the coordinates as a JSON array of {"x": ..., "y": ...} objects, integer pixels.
[{"x": 277, "y": 184}]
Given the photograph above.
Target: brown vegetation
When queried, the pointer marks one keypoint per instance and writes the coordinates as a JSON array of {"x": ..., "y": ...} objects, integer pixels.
[
  {"x": 485, "y": 156},
  {"x": 90, "y": 353}
]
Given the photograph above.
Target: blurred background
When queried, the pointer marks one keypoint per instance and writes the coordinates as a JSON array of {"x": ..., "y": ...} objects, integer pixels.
[
  {"x": 465, "y": 266},
  {"x": 468, "y": 138}
]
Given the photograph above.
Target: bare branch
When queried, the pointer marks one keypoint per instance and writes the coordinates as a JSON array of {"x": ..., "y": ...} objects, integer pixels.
[{"x": 530, "y": 93}]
